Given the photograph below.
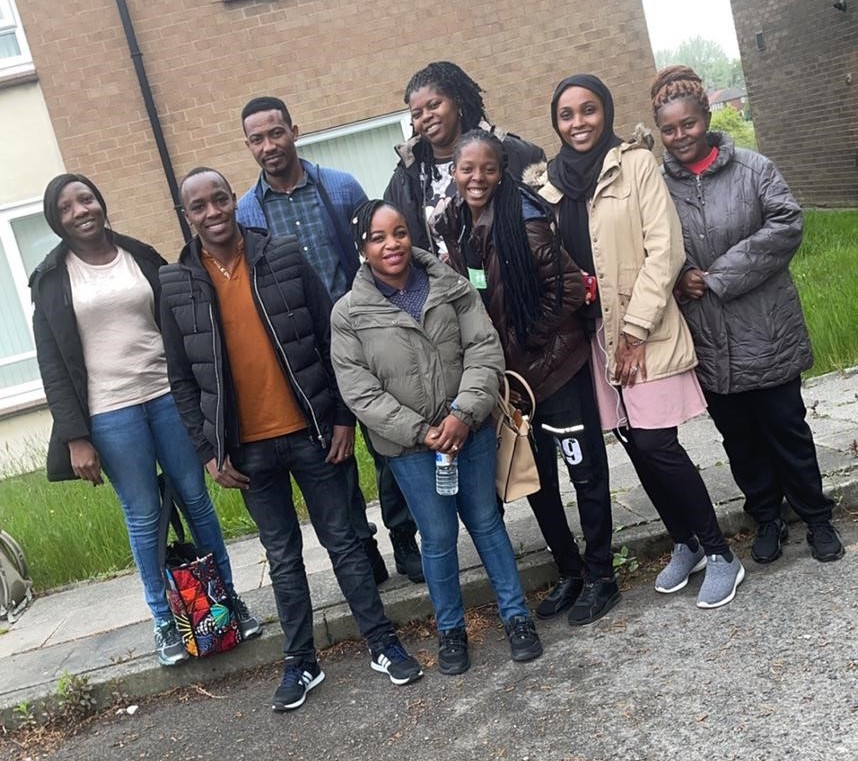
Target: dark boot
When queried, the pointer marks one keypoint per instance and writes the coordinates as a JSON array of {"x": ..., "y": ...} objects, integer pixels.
[
  {"x": 406, "y": 554},
  {"x": 379, "y": 569}
]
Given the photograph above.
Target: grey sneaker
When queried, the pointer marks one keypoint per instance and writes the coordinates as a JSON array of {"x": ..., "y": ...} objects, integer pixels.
[
  {"x": 722, "y": 578},
  {"x": 169, "y": 645},
  {"x": 683, "y": 562}
]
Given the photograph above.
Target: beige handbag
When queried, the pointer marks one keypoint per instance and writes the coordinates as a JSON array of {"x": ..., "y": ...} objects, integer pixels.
[{"x": 516, "y": 475}]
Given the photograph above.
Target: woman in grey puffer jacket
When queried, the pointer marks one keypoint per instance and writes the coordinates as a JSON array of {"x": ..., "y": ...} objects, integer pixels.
[{"x": 741, "y": 227}]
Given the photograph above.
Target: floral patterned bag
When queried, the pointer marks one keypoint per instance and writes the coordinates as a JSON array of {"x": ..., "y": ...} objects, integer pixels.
[{"x": 198, "y": 598}]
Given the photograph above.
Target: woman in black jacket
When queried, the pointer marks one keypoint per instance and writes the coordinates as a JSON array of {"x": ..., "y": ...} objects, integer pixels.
[
  {"x": 742, "y": 226},
  {"x": 444, "y": 103},
  {"x": 102, "y": 363}
]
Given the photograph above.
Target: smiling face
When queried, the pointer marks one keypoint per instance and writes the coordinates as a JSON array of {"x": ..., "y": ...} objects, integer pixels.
[
  {"x": 435, "y": 117},
  {"x": 210, "y": 209},
  {"x": 271, "y": 140},
  {"x": 81, "y": 215},
  {"x": 387, "y": 247},
  {"x": 683, "y": 126},
  {"x": 477, "y": 171},
  {"x": 580, "y": 118}
]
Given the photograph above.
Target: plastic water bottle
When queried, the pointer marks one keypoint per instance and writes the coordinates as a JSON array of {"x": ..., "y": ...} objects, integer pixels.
[{"x": 446, "y": 474}]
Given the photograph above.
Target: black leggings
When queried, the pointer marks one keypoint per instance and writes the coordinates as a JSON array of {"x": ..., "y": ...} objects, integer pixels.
[
  {"x": 674, "y": 486},
  {"x": 586, "y": 461}
]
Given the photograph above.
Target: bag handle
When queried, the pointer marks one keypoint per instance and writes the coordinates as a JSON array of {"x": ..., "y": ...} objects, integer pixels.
[{"x": 507, "y": 374}]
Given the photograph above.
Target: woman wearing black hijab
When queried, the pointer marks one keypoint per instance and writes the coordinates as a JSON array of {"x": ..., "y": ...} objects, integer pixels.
[{"x": 616, "y": 218}]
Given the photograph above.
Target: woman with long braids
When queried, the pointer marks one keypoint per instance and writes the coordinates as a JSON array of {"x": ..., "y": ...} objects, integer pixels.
[
  {"x": 102, "y": 361},
  {"x": 417, "y": 360},
  {"x": 742, "y": 227},
  {"x": 617, "y": 220},
  {"x": 501, "y": 237},
  {"x": 444, "y": 103}
]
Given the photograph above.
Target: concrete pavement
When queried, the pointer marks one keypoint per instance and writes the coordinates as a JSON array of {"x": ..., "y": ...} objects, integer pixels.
[{"x": 102, "y": 629}]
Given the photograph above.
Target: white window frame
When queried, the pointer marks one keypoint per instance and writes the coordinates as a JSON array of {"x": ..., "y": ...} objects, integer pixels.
[
  {"x": 322, "y": 136},
  {"x": 22, "y": 63},
  {"x": 32, "y": 391}
]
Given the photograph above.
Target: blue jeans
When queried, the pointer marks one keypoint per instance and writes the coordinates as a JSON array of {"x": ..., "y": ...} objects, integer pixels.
[
  {"x": 268, "y": 464},
  {"x": 437, "y": 519},
  {"x": 130, "y": 442}
]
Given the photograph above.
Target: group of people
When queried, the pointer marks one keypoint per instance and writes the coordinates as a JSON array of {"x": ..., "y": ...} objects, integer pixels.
[{"x": 630, "y": 297}]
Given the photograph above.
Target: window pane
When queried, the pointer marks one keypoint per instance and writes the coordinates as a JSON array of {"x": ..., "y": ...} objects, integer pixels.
[
  {"x": 35, "y": 239},
  {"x": 14, "y": 333},
  {"x": 368, "y": 155},
  {"x": 16, "y": 373},
  {"x": 9, "y": 47}
]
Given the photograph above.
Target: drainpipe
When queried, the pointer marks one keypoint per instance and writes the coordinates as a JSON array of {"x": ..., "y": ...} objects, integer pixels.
[{"x": 152, "y": 112}]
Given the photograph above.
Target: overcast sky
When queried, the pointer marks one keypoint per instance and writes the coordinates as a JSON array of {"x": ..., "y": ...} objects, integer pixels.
[{"x": 672, "y": 21}]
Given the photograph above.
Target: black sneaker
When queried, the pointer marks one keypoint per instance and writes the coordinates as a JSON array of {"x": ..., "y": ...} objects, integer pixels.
[
  {"x": 248, "y": 624},
  {"x": 298, "y": 680},
  {"x": 453, "y": 652},
  {"x": 824, "y": 541},
  {"x": 376, "y": 561},
  {"x": 597, "y": 597},
  {"x": 406, "y": 554},
  {"x": 561, "y": 596},
  {"x": 389, "y": 657},
  {"x": 524, "y": 642},
  {"x": 767, "y": 545},
  {"x": 168, "y": 644}
]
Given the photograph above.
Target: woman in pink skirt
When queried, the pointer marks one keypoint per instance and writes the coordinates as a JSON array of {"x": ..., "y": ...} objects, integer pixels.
[{"x": 616, "y": 218}]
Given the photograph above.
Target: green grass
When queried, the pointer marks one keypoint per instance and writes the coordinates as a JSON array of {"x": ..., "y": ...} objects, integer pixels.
[
  {"x": 826, "y": 273},
  {"x": 72, "y": 531}
]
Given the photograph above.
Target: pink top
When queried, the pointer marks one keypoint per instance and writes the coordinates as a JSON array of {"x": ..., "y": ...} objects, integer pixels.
[{"x": 663, "y": 403}]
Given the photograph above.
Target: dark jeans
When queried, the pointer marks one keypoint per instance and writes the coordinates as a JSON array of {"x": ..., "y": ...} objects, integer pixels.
[
  {"x": 771, "y": 452},
  {"x": 584, "y": 453},
  {"x": 394, "y": 507},
  {"x": 269, "y": 464},
  {"x": 674, "y": 486}
]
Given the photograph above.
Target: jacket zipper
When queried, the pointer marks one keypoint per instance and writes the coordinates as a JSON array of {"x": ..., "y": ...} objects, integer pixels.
[
  {"x": 319, "y": 436},
  {"x": 220, "y": 393}
]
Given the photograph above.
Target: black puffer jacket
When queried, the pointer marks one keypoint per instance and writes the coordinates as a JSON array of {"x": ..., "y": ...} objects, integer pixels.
[
  {"x": 411, "y": 185},
  {"x": 60, "y": 352},
  {"x": 295, "y": 310},
  {"x": 741, "y": 225}
]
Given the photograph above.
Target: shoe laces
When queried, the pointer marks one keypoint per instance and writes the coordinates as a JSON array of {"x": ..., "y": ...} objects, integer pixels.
[
  {"x": 522, "y": 628},
  {"x": 292, "y": 675},
  {"x": 767, "y": 529},
  {"x": 167, "y": 634},
  {"x": 454, "y": 639},
  {"x": 823, "y": 532},
  {"x": 589, "y": 592},
  {"x": 241, "y": 609},
  {"x": 393, "y": 650}
]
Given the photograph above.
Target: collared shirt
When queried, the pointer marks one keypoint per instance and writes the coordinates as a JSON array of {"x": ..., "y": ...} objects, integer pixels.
[
  {"x": 300, "y": 213},
  {"x": 410, "y": 299}
]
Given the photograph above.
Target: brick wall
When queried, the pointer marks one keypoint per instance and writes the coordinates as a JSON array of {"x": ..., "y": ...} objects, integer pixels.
[
  {"x": 804, "y": 105},
  {"x": 334, "y": 62}
]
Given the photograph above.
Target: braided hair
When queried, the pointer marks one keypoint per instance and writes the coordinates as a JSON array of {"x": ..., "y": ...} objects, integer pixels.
[
  {"x": 521, "y": 284},
  {"x": 450, "y": 80},
  {"x": 677, "y": 82},
  {"x": 362, "y": 220}
]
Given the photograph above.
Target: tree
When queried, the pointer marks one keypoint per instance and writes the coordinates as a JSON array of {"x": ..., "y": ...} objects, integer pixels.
[
  {"x": 708, "y": 59},
  {"x": 730, "y": 120}
]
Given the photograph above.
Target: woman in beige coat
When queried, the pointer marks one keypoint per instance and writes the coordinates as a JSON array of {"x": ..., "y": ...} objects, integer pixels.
[{"x": 616, "y": 219}]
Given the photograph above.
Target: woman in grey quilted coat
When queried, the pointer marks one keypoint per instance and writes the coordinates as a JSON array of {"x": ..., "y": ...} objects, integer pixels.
[{"x": 741, "y": 227}]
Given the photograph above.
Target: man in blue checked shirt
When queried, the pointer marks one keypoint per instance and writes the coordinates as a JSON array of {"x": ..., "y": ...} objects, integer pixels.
[{"x": 315, "y": 204}]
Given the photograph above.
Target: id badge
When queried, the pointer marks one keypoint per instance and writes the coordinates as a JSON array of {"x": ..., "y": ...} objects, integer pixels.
[{"x": 477, "y": 278}]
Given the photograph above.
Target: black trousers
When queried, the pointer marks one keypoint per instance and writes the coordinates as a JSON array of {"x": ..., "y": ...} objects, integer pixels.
[
  {"x": 394, "y": 509},
  {"x": 674, "y": 486},
  {"x": 583, "y": 451},
  {"x": 771, "y": 451}
]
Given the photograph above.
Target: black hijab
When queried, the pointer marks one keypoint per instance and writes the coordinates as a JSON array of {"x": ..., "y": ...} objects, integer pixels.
[{"x": 576, "y": 174}]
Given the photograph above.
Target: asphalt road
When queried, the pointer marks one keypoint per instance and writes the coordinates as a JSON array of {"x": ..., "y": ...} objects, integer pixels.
[{"x": 771, "y": 676}]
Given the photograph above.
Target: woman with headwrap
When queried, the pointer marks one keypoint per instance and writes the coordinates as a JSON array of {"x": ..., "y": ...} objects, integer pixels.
[{"x": 616, "y": 218}]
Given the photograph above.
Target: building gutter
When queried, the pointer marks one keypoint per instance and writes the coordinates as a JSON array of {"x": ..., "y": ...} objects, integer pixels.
[{"x": 152, "y": 113}]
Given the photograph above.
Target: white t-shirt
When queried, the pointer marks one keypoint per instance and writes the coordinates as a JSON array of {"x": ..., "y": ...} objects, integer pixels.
[{"x": 122, "y": 347}]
